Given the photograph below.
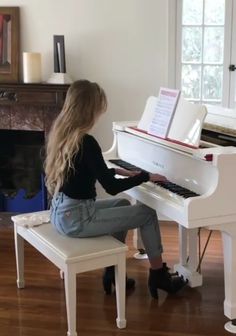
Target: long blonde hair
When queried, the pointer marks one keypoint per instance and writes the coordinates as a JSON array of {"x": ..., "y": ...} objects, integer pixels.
[{"x": 84, "y": 102}]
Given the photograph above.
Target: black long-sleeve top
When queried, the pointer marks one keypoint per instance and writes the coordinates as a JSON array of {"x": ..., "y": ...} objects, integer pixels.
[{"x": 89, "y": 167}]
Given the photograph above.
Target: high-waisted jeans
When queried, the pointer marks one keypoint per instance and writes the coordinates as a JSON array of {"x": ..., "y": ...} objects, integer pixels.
[{"x": 89, "y": 218}]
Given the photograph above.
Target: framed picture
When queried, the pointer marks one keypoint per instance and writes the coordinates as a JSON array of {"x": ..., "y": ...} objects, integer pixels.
[{"x": 9, "y": 44}]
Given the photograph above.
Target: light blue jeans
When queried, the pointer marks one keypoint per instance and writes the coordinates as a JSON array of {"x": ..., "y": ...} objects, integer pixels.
[{"x": 89, "y": 218}]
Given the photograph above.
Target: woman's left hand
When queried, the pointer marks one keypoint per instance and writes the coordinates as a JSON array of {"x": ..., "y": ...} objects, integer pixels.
[{"x": 125, "y": 172}]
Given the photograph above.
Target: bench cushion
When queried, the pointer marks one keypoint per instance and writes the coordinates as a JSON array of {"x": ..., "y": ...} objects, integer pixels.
[{"x": 76, "y": 248}]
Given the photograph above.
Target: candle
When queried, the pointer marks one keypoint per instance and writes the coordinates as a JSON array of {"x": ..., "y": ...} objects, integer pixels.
[{"x": 31, "y": 67}]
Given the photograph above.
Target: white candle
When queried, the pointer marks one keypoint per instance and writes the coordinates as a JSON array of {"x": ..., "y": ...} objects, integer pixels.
[{"x": 31, "y": 67}]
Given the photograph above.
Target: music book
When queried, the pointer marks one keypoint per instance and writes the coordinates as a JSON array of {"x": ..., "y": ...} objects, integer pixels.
[
  {"x": 163, "y": 112},
  {"x": 171, "y": 117},
  {"x": 159, "y": 112}
]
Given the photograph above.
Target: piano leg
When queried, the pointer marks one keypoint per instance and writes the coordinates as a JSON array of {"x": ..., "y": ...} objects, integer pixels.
[
  {"x": 137, "y": 240},
  {"x": 229, "y": 250},
  {"x": 138, "y": 244},
  {"x": 188, "y": 263}
]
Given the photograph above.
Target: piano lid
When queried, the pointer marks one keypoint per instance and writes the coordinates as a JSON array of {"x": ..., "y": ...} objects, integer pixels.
[{"x": 221, "y": 120}]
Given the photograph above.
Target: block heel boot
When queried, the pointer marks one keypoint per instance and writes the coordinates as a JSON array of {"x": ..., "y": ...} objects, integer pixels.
[
  {"x": 162, "y": 279},
  {"x": 109, "y": 280}
]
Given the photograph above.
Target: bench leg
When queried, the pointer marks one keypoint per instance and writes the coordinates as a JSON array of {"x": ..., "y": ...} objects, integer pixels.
[
  {"x": 19, "y": 251},
  {"x": 70, "y": 292},
  {"x": 120, "y": 279}
]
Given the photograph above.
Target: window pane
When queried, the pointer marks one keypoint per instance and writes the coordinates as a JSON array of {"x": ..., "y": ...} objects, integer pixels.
[
  {"x": 214, "y": 12},
  {"x": 192, "y": 45},
  {"x": 213, "y": 45},
  {"x": 212, "y": 82},
  {"x": 191, "y": 81},
  {"x": 192, "y": 12}
]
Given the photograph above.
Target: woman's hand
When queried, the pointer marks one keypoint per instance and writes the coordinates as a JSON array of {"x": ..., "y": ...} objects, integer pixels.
[
  {"x": 125, "y": 172},
  {"x": 157, "y": 178}
]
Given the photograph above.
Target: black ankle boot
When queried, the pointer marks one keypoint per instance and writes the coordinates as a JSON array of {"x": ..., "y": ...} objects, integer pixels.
[
  {"x": 109, "y": 280},
  {"x": 162, "y": 279}
]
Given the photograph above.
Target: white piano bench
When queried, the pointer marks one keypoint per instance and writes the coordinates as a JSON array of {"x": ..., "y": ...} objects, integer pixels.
[{"x": 73, "y": 256}]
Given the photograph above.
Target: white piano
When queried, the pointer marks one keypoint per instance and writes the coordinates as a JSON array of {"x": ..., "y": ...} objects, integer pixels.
[{"x": 201, "y": 194}]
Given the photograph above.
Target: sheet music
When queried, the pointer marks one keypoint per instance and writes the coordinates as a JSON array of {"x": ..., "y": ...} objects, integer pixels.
[{"x": 163, "y": 112}]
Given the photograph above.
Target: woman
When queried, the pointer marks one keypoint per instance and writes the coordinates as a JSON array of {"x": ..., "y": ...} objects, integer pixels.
[{"x": 74, "y": 163}]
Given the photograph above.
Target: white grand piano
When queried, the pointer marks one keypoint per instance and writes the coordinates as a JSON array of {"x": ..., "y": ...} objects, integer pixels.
[{"x": 200, "y": 192}]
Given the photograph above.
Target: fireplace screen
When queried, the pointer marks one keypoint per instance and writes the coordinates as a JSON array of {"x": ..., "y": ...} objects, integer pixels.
[{"x": 21, "y": 168}]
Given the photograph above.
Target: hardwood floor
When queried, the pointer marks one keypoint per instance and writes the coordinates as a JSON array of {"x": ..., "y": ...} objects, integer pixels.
[{"x": 39, "y": 309}]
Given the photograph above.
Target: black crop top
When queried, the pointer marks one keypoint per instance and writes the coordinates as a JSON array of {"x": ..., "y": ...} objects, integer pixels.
[{"x": 90, "y": 167}]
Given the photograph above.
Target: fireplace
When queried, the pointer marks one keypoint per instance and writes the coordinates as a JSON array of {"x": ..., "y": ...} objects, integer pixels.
[
  {"x": 21, "y": 171},
  {"x": 26, "y": 115}
]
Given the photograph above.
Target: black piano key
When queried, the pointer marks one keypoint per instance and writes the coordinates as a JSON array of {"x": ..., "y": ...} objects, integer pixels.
[
  {"x": 177, "y": 189},
  {"x": 125, "y": 165},
  {"x": 173, "y": 187}
]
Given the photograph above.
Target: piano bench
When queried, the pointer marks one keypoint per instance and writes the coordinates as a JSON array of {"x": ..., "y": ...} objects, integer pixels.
[{"x": 73, "y": 256}]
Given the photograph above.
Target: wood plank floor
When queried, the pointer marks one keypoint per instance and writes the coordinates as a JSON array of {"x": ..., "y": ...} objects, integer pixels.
[{"x": 39, "y": 309}]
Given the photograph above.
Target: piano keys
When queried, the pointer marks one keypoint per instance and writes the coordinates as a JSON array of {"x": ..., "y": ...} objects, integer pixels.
[{"x": 168, "y": 185}]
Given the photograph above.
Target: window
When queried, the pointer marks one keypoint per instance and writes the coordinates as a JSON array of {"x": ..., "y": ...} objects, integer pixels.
[{"x": 203, "y": 50}]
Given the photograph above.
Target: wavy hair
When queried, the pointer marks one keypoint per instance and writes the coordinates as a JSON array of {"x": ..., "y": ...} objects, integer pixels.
[{"x": 84, "y": 102}]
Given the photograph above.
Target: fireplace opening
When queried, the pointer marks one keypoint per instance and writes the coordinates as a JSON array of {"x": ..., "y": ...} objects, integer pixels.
[{"x": 21, "y": 170}]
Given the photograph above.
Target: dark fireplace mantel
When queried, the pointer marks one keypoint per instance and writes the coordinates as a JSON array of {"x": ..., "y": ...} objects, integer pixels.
[{"x": 30, "y": 106}]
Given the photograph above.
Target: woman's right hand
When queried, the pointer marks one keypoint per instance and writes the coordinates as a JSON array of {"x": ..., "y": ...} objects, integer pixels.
[{"x": 157, "y": 178}]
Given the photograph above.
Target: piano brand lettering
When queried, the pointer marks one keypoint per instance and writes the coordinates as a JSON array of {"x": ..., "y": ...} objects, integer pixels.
[{"x": 158, "y": 164}]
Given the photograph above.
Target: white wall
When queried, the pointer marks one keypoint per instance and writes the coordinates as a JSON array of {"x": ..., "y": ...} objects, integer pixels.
[{"x": 122, "y": 44}]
